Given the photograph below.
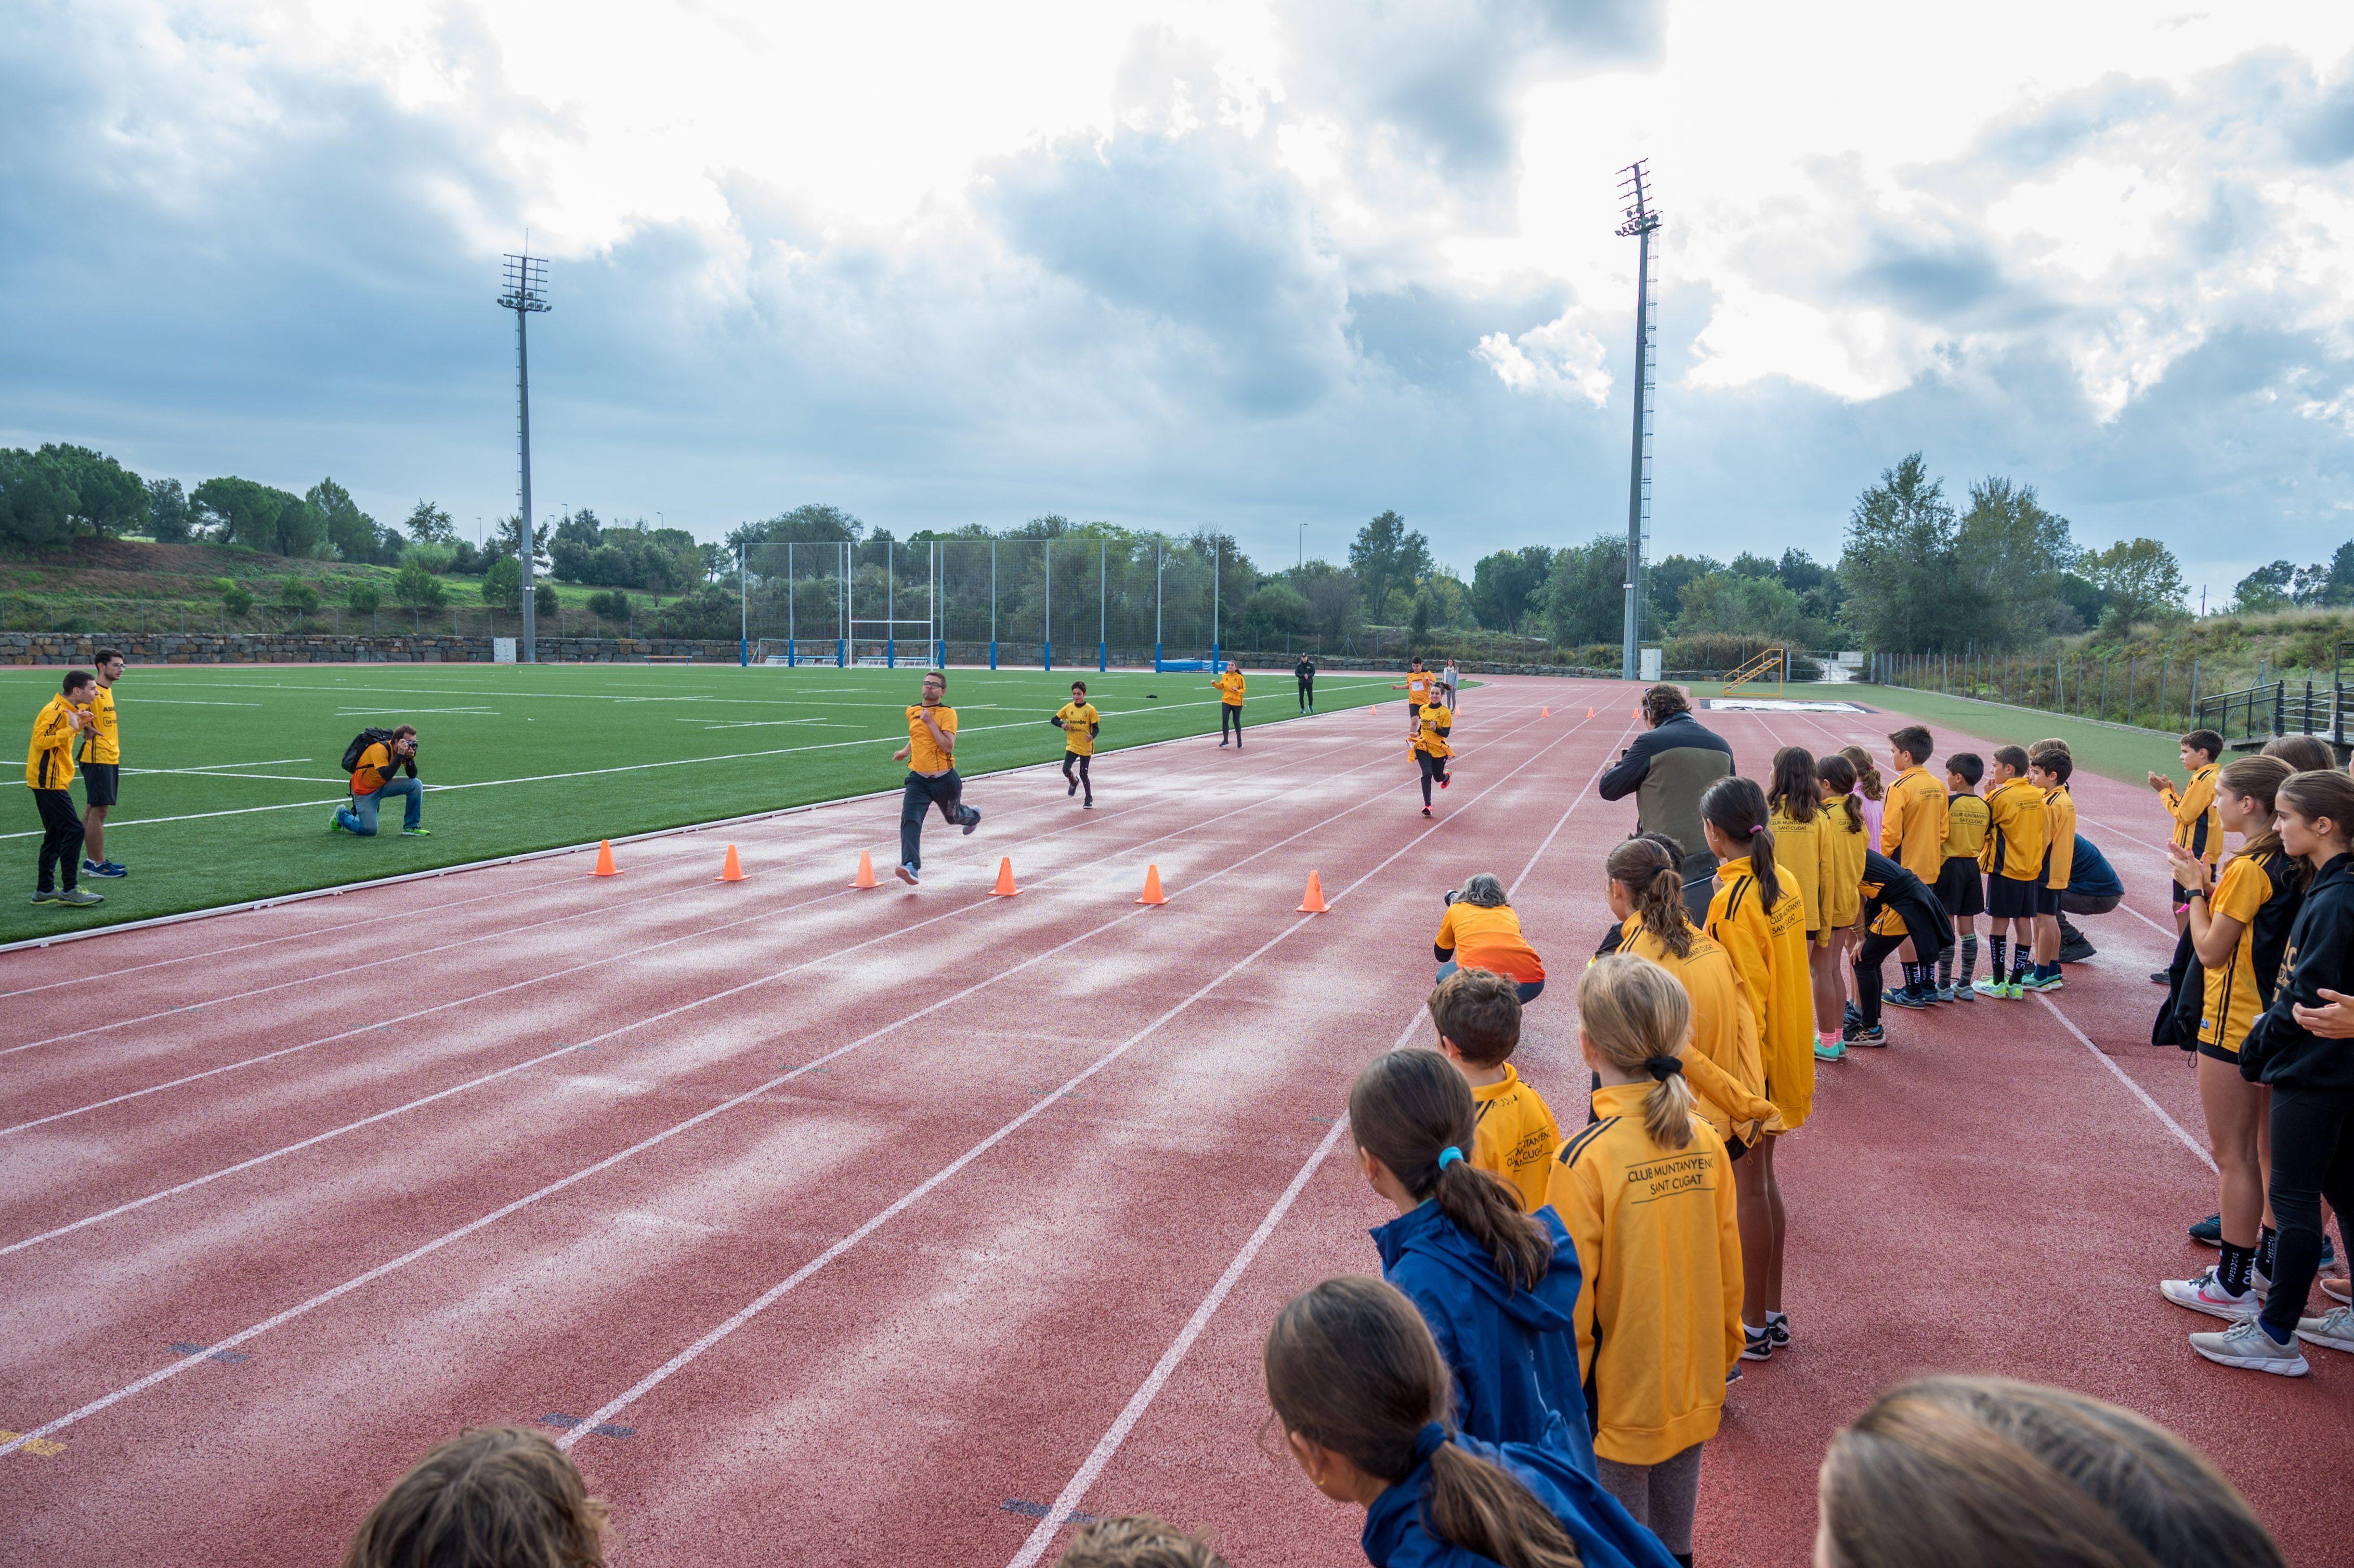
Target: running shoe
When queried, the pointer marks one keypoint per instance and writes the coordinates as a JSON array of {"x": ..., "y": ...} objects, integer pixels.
[
  {"x": 910, "y": 875},
  {"x": 417, "y": 833},
  {"x": 2044, "y": 982},
  {"x": 1072, "y": 790},
  {"x": 2247, "y": 1344},
  {"x": 101, "y": 868},
  {"x": 1830, "y": 1050},
  {"x": 1849, "y": 1017},
  {"x": 1991, "y": 987},
  {"x": 2334, "y": 1329},
  {"x": 1942, "y": 993},
  {"x": 972, "y": 819},
  {"x": 2077, "y": 952},
  {"x": 2335, "y": 1288},
  {"x": 80, "y": 897},
  {"x": 1425, "y": 811},
  {"x": 1778, "y": 1324},
  {"x": 1965, "y": 990},
  {"x": 1907, "y": 996},
  {"x": 2206, "y": 1294},
  {"x": 1446, "y": 779},
  {"x": 1756, "y": 1344},
  {"x": 1090, "y": 803},
  {"x": 2161, "y": 978},
  {"x": 45, "y": 895},
  {"x": 1859, "y": 1035},
  {"x": 2209, "y": 1231},
  {"x": 335, "y": 821}
]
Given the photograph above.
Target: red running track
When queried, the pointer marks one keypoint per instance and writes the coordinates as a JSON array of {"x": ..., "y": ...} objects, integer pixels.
[{"x": 870, "y": 1227}]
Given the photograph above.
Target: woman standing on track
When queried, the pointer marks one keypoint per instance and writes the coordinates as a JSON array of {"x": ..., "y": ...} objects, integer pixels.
[
  {"x": 1431, "y": 750},
  {"x": 1229, "y": 687},
  {"x": 2239, "y": 928}
]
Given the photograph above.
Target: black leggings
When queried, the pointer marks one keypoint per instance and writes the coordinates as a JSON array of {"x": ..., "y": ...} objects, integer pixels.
[
  {"x": 60, "y": 840},
  {"x": 1868, "y": 959},
  {"x": 1230, "y": 716},
  {"x": 919, "y": 795},
  {"x": 1432, "y": 768},
  {"x": 2313, "y": 1158},
  {"x": 1082, "y": 780},
  {"x": 1308, "y": 694}
]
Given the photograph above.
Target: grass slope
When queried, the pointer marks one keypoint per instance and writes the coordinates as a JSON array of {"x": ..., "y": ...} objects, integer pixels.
[{"x": 232, "y": 772}]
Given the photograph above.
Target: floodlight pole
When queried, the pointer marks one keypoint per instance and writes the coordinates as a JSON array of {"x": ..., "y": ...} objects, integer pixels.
[
  {"x": 525, "y": 295},
  {"x": 1641, "y": 219},
  {"x": 743, "y": 615}
]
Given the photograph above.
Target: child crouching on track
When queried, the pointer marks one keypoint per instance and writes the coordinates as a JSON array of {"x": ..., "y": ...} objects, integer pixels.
[
  {"x": 1846, "y": 843},
  {"x": 1647, "y": 1194},
  {"x": 1361, "y": 1393},
  {"x": 1498, "y": 1288},
  {"x": 1756, "y": 917},
  {"x": 490, "y": 1498},
  {"x": 1479, "y": 1021}
]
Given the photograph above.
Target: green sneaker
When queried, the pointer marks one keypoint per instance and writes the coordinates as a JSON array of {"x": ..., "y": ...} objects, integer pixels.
[
  {"x": 417, "y": 833},
  {"x": 2049, "y": 982},
  {"x": 335, "y": 821},
  {"x": 1830, "y": 1051},
  {"x": 1991, "y": 987}
]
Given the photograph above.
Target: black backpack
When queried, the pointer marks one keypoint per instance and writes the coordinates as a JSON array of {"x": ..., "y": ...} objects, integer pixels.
[{"x": 361, "y": 742}]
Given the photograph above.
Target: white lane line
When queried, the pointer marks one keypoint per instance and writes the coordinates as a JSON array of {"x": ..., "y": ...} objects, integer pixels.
[
  {"x": 427, "y": 1249},
  {"x": 784, "y": 1286},
  {"x": 2172, "y": 1125}
]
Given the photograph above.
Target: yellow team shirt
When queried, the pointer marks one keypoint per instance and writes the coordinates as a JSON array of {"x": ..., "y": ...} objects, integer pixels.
[
  {"x": 1768, "y": 948},
  {"x": 1965, "y": 827},
  {"x": 49, "y": 760},
  {"x": 924, "y": 753},
  {"x": 1418, "y": 689},
  {"x": 1516, "y": 1137},
  {"x": 1800, "y": 851},
  {"x": 1659, "y": 1314},
  {"x": 1913, "y": 824},
  {"x": 1490, "y": 939},
  {"x": 1077, "y": 737},
  {"x": 2060, "y": 826},
  {"x": 1722, "y": 1066},
  {"x": 1431, "y": 738},
  {"x": 2016, "y": 831},
  {"x": 2198, "y": 825},
  {"x": 103, "y": 745},
  {"x": 2232, "y": 1003},
  {"x": 1230, "y": 689},
  {"x": 1844, "y": 849}
]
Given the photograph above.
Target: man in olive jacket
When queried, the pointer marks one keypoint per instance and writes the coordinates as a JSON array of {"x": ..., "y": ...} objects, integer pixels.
[{"x": 1666, "y": 770}]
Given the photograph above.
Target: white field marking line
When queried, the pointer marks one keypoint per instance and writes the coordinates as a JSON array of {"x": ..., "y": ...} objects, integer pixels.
[
  {"x": 323, "y": 1298},
  {"x": 1108, "y": 1445},
  {"x": 777, "y": 1291},
  {"x": 562, "y": 1049},
  {"x": 2122, "y": 1076},
  {"x": 192, "y": 703},
  {"x": 626, "y": 903}
]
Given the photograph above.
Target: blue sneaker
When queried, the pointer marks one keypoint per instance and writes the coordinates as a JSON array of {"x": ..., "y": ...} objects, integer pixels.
[
  {"x": 1907, "y": 996},
  {"x": 1857, "y": 1035},
  {"x": 101, "y": 868},
  {"x": 2208, "y": 1231},
  {"x": 972, "y": 819},
  {"x": 1942, "y": 993}
]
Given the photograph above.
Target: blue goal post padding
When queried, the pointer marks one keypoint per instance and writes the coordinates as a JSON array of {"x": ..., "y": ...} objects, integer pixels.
[{"x": 1179, "y": 666}]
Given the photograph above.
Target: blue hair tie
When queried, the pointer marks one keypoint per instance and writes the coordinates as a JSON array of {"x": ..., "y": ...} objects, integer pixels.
[
  {"x": 1428, "y": 1441},
  {"x": 1448, "y": 1156}
]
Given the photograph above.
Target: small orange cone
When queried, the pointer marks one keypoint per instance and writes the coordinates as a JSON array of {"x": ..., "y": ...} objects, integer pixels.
[
  {"x": 866, "y": 877},
  {"x": 1004, "y": 888},
  {"x": 1152, "y": 886},
  {"x": 1544, "y": 712},
  {"x": 605, "y": 866},
  {"x": 1589, "y": 710},
  {"x": 1312, "y": 901},
  {"x": 733, "y": 871}
]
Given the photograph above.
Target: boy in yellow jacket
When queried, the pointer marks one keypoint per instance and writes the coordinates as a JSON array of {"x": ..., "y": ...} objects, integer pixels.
[
  {"x": 1478, "y": 1014},
  {"x": 1913, "y": 834},
  {"x": 2049, "y": 766},
  {"x": 2012, "y": 858},
  {"x": 48, "y": 769}
]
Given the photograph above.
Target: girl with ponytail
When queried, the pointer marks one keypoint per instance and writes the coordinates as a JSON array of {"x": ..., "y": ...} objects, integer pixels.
[
  {"x": 1361, "y": 1393},
  {"x": 1844, "y": 843},
  {"x": 1867, "y": 779},
  {"x": 1646, "y": 1193},
  {"x": 1497, "y": 1285},
  {"x": 1757, "y": 918}
]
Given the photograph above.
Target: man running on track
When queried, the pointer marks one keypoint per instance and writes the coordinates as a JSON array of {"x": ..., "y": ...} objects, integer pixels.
[
  {"x": 1419, "y": 688},
  {"x": 1305, "y": 671},
  {"x": 931, "y": 757}
]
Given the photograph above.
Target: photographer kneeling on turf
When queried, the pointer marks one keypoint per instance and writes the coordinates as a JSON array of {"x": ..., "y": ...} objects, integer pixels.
[{"x": 373, "y": 756}]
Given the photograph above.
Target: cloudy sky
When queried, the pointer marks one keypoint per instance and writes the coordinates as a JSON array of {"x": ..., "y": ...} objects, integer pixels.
[{"x": 1248, "y": 264}]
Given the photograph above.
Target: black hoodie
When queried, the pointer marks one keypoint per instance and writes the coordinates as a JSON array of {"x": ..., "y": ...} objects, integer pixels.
[{"x": 2279, "y": 1051}]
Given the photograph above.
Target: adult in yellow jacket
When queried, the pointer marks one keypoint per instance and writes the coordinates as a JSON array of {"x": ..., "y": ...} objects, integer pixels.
[
  {"x": 49, "y": 770},
  {"x": 1646, "y": 1193},
  {"x": 102, "y": 767},
  {"x": 1229, "y": 687}
]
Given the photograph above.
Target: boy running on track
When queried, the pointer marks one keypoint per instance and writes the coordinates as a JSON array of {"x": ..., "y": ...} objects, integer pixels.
[
  {"x": 1432, "y": 724},
  {"x": 931, "y": 757},
  {"x": 1080, "y": 723},
  {"x": 102, "y": 767},
  {"x": 1420, "y": 689},
  {"x": 1229, "y": 687},
  {"x": 48, "y": 768}
]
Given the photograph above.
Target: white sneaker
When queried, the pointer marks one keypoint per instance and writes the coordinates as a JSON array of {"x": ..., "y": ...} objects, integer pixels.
[
  {"x": 2334, "y": 1329},
  {"x": 2246, "y": 1344},
  {"x": 2206, "y": 1294}
]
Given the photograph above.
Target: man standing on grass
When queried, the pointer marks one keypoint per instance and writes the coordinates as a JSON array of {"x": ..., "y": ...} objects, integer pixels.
[
  {"x": 101, "y": 768},
  {"x": 931, "y": 757},
  {"x": 373, "y": 780},
  {"x": 48, "y": 769}
]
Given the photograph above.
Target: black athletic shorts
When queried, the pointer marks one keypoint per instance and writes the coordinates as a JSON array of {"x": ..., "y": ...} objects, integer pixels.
[
  {"x": 100, "y": 780},
  {"x": 1960, "y": 888},
  {"x": 2047, "y": 900},
  {"x": 2009, "y": 897},
  {"x": 2217, "y": 1053}
]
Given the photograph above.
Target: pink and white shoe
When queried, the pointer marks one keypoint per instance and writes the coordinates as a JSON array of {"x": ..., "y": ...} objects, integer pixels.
[{"x": 2206, "y": 1294}]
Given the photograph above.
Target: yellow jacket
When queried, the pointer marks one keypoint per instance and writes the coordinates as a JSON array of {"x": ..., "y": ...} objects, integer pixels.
[
  {"x": 1432, "y": 737},
  {"x": 1842, "y": 867},
  {"x": 1230, "y": 689},
  {"x": 1803, "y": 852},
  {"x": 1659, "y": 1319},
  {"x": 1913, "y": 824},
  {"x": 2198, "y": 825},
  {"x": 1724, "y": 1065},
  {"x": 1965, "y": 827},
  {"x": 1516, "y": 1136},
  {"x": 1769, "y": 949},
  {"x": 2015, "y": 831},
  {"x": 48, "y": 761},
  {"x": 105, "y": 743},
  {"x": 2059, "y": 824}
]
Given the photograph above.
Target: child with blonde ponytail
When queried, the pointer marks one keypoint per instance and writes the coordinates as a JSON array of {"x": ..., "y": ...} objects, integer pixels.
[
  {"x": 1647, "y": 1194},
  {"x": 1361, "y": 1393}
]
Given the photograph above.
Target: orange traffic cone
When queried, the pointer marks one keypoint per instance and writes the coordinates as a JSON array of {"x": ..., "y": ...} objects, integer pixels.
[
  {"x": 605, "y": 866},
  {"x": 1152, "y": 886},
  {"x": 1312, "y": 901},
  {"x": 1589, "y": 710},
  {"x": 733, "y": 871},
  {"x": 866, "y": 877},
  {"x": 1544, "y": 712},
  {"x": 1004, "y": 888}
]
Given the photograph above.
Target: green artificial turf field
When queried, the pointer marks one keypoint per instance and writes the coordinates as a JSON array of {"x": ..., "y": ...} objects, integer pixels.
[{"x": 232, "y": 772}]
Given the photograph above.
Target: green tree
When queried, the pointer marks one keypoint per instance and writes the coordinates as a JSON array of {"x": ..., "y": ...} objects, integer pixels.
[
  {"x": 362, "y": 593},
  {"x": 168, "y": 521},
  {"x": 2139, "y": 577},
  {"x": 418, "y": 588},
  {"x": 1418, "y": 623},
  {"x": 2010, "y": 554},
  {"x": 37, "y": 504},
  {"x": 430, "y": 524},
  {"x": 610, "y": 604},
  {"x": 1585, "y": 599},
  {"x": 352, "y": 533},
  {"x": 1504, "y": 584},
  {"x": 1742, "y": 604},
  {"x": 1899, "y": 564},
  {"x": 234, "y": 600},
  {"x": 2266, "y": 589},
  {"x": 1388, "y": 556},
  {"x": 544, "y": 601},
  {"x": 2339, "y": 588},
  {"x": 1663, "y": 591},
  {"x": 298, "y": 596},
  {"x": 506, "y": 539},
  {"x": 811, "y": 525},
  {"x": 109, "y": 498},
  {"x": 260, "y": 517},
  {"x": 503, "y": 584}
]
